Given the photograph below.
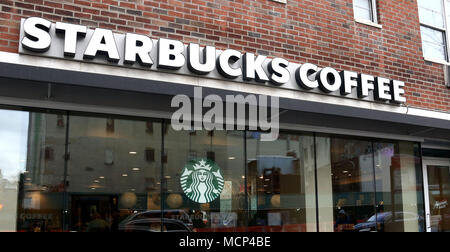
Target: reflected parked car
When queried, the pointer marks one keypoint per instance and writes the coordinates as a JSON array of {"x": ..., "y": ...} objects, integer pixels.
[
  {"x": 150, "y": 221},
  {"x": 154, "y": 225},
  {"x": 379, "y": 222}
]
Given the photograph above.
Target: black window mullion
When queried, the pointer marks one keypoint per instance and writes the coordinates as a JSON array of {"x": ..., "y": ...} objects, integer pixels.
[
  {"x": 66, "y": 213},
  {"x": 374, "y": 184},
  {"x": 316, "y": 182},
  {"x": 161, "y": 180},
  {"x": 246, "y": 204}
]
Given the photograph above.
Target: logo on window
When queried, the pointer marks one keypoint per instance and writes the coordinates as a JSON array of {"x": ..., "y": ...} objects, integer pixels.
[{"x": 202, "y": 181}]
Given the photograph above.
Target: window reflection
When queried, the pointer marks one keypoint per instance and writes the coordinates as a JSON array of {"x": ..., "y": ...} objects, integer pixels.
[
  {"x": 13, "y": 151},
  {"x": 439, "y": 194},
  {"x": 398, "y": 186},
  {"x": 111, "y": 175},
  {"x": 41, "y": 186},
  {"x": 224, "y": 148},
  {"x": 433, "y": 29},
  {"x": 375, "y": 186},
  {"x": 363, "y": 9},
  {"x": 281, "y": 183},
  {"x": 347, "y": 173}
]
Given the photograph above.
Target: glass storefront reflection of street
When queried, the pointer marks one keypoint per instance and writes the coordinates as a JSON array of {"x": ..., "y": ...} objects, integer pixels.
[
  {"x": 373, "y": 185},
  {"x": 13, "y": 154},
  {"x": 13, "y": 145},
  {"x": 86, "y": 173}
]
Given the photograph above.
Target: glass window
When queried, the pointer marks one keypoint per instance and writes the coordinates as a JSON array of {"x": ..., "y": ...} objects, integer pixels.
[
  {"x": 373, "y": 186},
  {"x": 433, "y": 29},
  {"x": 431, "y": 13},
  {"x": 364, "y": 9},
  {"x": 113, "y": 173},
  {"x": 399, "y": 187},
  {"x": 439, "y": 195},
  {"x": 433, "y": 42},
  {"x": 204, "y": 178},
  {"x": 346, "y": 191},
  {"x": 281, "y": 183},
  {"x": 102, "y": 174},
  {"x": 42, "y": 182},
  {"x": 13, "y": 155}
]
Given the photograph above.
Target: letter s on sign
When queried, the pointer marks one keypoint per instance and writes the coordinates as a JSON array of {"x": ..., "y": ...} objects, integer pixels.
[{"x": 37, "y": 37}]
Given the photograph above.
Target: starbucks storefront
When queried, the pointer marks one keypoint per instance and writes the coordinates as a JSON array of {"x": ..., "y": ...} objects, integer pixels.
[{"x": 87, "y": 143}]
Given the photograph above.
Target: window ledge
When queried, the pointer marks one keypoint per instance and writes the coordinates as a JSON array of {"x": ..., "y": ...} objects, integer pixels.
[
  {"x": 368, "y": 22},
  {"x": 438, "y": 61}
]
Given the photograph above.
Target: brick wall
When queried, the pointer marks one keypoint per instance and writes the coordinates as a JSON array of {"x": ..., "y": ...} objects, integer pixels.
[{"x": 322, "y": 32}]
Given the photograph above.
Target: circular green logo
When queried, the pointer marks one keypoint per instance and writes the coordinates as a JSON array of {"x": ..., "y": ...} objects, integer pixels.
[{"x": 202, "y": 181}]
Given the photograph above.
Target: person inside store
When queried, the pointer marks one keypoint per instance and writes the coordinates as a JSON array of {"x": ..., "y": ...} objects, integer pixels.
[
  {"x": 343, "y": 222},
  {"x": 98, "y": 224}
]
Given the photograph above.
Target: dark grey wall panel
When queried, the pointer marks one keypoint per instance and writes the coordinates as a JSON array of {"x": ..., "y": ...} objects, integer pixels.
[{"x": 110, "y": 86}]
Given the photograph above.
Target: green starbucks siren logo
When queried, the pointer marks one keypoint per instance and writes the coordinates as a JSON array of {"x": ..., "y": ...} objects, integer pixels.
[{"x": 201, "y": 180}]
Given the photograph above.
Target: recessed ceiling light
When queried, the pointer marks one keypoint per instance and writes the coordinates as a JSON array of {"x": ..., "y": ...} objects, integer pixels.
[
  {"x": 101, "y": 177},
  {"x": 344, "y": 171},
  {"x": 124, "y": 175},
  {"x": 133, "y": 152},
  {"x": 136, "y": 169},
  {"x": 96, "y": 181},
  {"x": 231, "y": 158}
]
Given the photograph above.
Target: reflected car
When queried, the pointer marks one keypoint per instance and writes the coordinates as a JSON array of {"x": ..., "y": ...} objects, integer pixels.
[
  {"x": 378, "y": 222},
  {"x": 154, "y": 225},
  {"x": 151, "y": 220}
]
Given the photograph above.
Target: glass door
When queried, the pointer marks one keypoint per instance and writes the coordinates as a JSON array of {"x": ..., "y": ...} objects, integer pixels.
[{"x": 437, "y": 183}]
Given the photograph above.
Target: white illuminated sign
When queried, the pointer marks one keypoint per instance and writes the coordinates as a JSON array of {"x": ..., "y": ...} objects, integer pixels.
[{"x": 77, "y": 42}]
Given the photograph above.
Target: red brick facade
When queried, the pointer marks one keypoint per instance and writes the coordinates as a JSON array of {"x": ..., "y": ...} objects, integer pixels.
[{"x": 322, "y": 32}]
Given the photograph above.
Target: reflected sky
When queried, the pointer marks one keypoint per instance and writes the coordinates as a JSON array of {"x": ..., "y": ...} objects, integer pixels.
[{"x": 13, "y": 143}]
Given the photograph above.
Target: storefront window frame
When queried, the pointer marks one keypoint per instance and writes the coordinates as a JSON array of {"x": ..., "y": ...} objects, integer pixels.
[
  {"x": 300, "y": 133},
  {"x": 373, "y": 140},
  {"x": 71, "y": 114},
  {"x": 427, "y": 161}
]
